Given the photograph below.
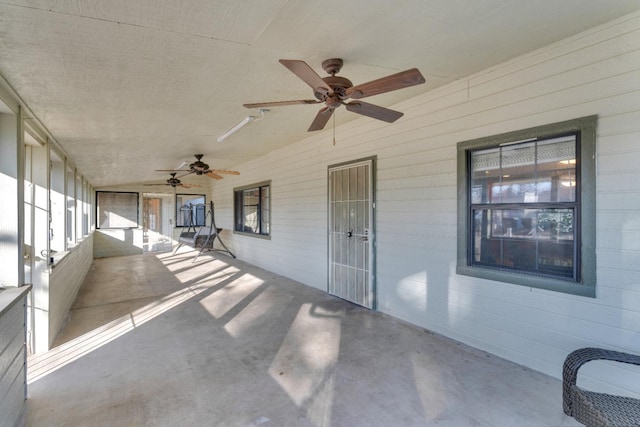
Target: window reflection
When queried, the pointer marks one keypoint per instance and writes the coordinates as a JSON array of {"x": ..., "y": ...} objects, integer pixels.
[{"x": 523, "y": 206}]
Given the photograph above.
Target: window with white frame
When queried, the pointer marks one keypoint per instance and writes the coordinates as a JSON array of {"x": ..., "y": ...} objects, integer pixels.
[
  {"x": 71, "y": 207},
  {"x": 252, "y": 208},
  {"x": 527, "y": 207},
  {"x": 57, "y": 204},
  {"x": 79, "y": 206}
]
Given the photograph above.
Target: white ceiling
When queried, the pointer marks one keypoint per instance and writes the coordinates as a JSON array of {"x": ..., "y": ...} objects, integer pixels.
[{"x": 130, "y": 86}]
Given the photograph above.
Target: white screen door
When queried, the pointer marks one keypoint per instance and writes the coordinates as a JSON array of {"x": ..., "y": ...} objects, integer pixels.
[
  {"x": 351, "y": 232},
  {"x": 156, "y": 222}
]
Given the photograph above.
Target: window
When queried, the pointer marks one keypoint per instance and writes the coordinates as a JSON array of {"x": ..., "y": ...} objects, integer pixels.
[
  {"x": 71, "y": 208},
  {"x": 57, "y": 204},
  {"x": 79, "y": 206},
  {"x": 190, "y": 210},
  {"x": 116, "y": 210},
  {"x": 527, "y": 207},
  {"x": 252, "y": 209}
]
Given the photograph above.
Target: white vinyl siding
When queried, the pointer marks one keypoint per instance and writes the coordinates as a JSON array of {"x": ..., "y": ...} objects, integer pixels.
[
  {"x": 13, "y": 385},
  {"x": 594, "y": 73},
  {"x": 64, "y": 283}
]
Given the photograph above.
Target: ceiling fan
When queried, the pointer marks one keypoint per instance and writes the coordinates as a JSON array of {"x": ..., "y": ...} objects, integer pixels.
[
  {"x": 334, "y": 90},
  {"x": 201, "y": 168},
  {"x": 175, "y": 182}
]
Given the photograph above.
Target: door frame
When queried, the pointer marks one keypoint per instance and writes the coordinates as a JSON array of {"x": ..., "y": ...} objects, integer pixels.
[
  {"x": 166, "y": 206},
  {"x": 372, "y": 229}
]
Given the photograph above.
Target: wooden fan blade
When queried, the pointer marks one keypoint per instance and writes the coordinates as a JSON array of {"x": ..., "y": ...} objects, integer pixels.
[
  {"x": 175, "y": 172},
  {"x": 306, "y": 73},
  {"x": 188, "y": 185},
  {"x": 281, "y": 103},
  {"x": 224, "y": 171},
  {"x": 400, "y": 80},
  {"x": 321, "y": 119},
  {"x": 374, "y": 111},
  {"x": 213, "y": 175}
]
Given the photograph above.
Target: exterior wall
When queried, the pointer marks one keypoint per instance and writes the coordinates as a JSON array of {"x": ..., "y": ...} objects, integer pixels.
[
  {"x": 64, "y": 282},
  {"x": 594, "y": 73}
]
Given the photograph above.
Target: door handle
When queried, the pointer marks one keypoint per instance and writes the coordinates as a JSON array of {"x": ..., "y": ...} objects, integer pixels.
[{"x": 349, "y": 233}]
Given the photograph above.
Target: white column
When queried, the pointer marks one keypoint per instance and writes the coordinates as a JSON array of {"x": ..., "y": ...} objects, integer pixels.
[{"x": 12, "y": 205}]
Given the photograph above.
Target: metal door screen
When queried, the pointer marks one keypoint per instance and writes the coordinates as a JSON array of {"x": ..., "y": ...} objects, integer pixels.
[{"x": 350, "y": 234}]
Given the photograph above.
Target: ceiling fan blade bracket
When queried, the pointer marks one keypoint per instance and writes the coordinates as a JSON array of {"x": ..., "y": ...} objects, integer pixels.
[{"x": 321, "y": 93}]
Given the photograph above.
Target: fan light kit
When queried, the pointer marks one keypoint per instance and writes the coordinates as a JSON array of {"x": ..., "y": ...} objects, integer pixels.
[
  {"x": 334, "y": 90},
  {"x": 242, "y": 124}
]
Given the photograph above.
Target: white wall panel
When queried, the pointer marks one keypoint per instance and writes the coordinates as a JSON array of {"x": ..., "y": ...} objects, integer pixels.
[
  {"x": 13, "y": 385},
  {"x": 597, "y": 72},
  {"x": 64, "y": 282}
]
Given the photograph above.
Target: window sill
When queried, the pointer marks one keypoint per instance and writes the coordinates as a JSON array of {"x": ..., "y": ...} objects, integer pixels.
[
  {"x": 531, "y": 281},
  {"x": 259, "y": 236},
  {"x": 10, "y": 295}
]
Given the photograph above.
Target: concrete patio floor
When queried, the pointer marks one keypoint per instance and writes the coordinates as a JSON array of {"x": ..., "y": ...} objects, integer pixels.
[{"x": 157, "y": 340}]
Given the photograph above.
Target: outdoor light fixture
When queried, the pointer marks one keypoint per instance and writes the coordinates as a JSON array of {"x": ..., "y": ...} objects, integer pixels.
[{"x": 242, "y": 123}]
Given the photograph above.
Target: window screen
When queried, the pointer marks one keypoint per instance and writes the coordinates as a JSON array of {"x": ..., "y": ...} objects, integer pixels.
[{"x": 117, "y": 210}]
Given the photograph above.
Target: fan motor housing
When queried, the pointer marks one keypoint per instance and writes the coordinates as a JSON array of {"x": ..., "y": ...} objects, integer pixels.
[
  {"x": 199, "y": 166},
  {"x": 337, "y": 83}
]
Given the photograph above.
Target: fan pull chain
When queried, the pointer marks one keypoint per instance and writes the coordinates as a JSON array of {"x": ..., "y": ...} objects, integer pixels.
[{"x": 334, "y": 129}]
